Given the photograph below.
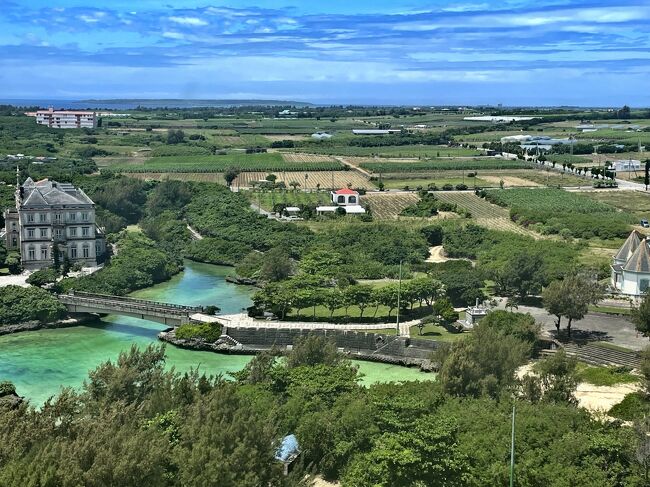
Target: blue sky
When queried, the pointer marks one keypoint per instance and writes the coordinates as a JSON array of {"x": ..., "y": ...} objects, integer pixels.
[{"x": 515, "y": 52}]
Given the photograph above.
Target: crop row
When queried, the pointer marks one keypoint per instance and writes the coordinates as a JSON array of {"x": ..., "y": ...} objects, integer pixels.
[
  {"x": 475, "y": 164},
  {"x": 549, "y": 200},
  {"x": 220, "y": 165}
]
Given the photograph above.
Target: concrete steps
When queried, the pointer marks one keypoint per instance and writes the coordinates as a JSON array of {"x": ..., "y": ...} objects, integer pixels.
[{"x": 595, "y": 355}]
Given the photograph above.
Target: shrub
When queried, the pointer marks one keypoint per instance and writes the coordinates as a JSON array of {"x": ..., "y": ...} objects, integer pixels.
[
  {"x": 19, "y": 304},
  {"x": 7, "y": 389},
  {"x": 633, "y": 406},
  {"x": 42, "y": 277},
  {"x": 209, "y": 332}
]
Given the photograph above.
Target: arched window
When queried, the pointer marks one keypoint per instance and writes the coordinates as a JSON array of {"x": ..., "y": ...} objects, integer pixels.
[
  {"x": 340, "y": 199},
  {"x": 352, "y": 199}
]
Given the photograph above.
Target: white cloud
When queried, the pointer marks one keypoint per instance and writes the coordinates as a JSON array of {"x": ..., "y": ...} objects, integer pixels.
[
  {"x": 193, "y": 21},
  {"x": 173, "y": 35}
]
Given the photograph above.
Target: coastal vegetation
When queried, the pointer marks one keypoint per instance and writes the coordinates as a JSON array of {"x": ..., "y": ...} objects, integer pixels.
[
  {"x": 23, "y": 304},
  {"x": 134, "y": 422},
  {"x": 139, "y": 263}
]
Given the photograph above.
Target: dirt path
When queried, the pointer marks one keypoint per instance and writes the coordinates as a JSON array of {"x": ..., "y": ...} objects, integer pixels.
[
  {"x": 195, "y": 235},
  {"x": 437, "y": 255}
]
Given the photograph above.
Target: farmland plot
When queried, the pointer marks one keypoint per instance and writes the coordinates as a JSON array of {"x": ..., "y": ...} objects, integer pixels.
[
  {"x": 555, "y": 211},
  {"x": 326, "y": 179},
  {"x": 385, "y": 206},
  {"x": 484, "y": 213},
  {"x": 210, "y": 177},
  {"x": 299, "y": 157}
]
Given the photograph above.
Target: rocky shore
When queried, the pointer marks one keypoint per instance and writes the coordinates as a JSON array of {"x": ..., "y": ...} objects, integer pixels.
[
  {"x": 227, "y": 345},
  {"x": 37, "y": 325},
  {"x": 242, "y": 281}
]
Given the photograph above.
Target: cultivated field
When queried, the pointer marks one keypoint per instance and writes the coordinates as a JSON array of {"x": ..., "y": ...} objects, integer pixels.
[
  {"x": 308, "y": 158},
  {"x": 508, "y": 181},
  {"x": 386, "y": 206},
  {"x": 634, "y": 202},
  {"x": 211, "y": 177},
  {"x": 219, "y": 163},
  {"x": 484, "y": 213},
  {"x": 442, "y": 165},
  {"x": 326, "y": 179}
]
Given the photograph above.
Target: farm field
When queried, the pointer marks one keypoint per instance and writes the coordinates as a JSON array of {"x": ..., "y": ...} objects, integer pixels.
[
  {"x": 410, "y": 151},
  {"x": 547, "y": 200},
  {"x": 442, "y": 164},
  {"x": 484, "y": 213},
  {"x": 208, "y": 177},
  {"x": 555, "y": 211},
  {"x": 321, "y": 179},
  {"x": 219, "y": 163},
  {"x": 299, "y": 157},
  {"x": 554, "y": 179},
  {"x": 634, "y": 202},
  {"x": 419, "y": 182},
  {"x": 388, "y": 206}
]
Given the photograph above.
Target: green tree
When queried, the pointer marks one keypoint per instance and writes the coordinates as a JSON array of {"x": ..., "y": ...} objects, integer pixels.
[
  {"x": 313, "y": 350},
  {"x": 175, "y": 137},
  {"x": 571, "y": 298},
  {"x": 333, "y": 300},
  {"x": 555, "y": 380},
  {"x": 641, "y": 316},
  {"x": 42, "y": 277},
  {"x": 387, "y": 296},
  {"x": 482, "y": 364},
  {"x": 230, "y": 174},
  {"x": 523, "y": 274},
  {"x": 13, "y": 263},
  {"x": 424, "y": 455},
  {"x": 276, "y": 265},
  {"x": 360, "y": 295}
]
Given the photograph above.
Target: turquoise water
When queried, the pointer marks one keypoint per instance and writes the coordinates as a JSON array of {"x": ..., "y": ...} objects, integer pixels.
[{"x": 39, "y": 363}]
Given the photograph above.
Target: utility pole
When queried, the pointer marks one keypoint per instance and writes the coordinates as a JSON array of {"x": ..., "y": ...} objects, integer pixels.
[
  {"x": 512, "y": 450},
  {"x": 399, "y": 293}
]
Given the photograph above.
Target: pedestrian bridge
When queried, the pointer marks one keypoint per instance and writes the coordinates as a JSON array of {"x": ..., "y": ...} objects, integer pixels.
[{"x": 165, "y": 313}]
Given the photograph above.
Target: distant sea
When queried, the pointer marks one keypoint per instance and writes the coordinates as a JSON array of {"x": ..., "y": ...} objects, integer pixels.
[{"x": 125, "y": 104}]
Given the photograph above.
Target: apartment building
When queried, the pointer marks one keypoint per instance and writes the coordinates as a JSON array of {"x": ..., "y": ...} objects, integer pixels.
[{"x": 66, "y": 119}]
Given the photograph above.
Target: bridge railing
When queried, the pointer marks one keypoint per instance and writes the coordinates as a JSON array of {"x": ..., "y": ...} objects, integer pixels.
[{"x": 103, "y": 299}]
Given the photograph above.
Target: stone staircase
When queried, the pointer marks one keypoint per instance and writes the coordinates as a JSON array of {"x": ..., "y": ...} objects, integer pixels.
[{"x": 595, "y": 355}]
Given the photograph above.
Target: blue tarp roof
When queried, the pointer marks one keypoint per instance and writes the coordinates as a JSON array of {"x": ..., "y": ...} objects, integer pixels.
[{"x": 288, "y": 448}]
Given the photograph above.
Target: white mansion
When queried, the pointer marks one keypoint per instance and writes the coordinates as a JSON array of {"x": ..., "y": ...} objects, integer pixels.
[
  {"x": 49, "y": 216},
  {"x": 631, "y": 266}
]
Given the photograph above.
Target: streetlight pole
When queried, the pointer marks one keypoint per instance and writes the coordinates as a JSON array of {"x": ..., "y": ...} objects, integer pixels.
[
  {"x": 399, "y": 292},
  {"x": 512, "y": 450}
]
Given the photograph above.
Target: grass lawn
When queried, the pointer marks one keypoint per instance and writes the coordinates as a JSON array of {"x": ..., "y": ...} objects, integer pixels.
[
  {"x": 4, "y": 271},
  {"x": 353, "y": 315},
  {"x": 610, "y": 310},
  {"x": 611, "y": 346},
  {"x": 435, "y": 332},
  {"x": 605, "y": 376}
]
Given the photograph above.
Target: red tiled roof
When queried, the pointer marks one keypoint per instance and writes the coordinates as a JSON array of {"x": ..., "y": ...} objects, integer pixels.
[{"x": 345, "y": 191}]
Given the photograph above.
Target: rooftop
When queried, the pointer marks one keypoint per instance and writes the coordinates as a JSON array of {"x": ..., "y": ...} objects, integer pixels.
[{"x": 48, "y": 193}]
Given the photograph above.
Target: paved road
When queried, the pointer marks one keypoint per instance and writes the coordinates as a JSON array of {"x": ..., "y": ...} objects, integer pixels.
[{"x": 613, "y": 329}]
